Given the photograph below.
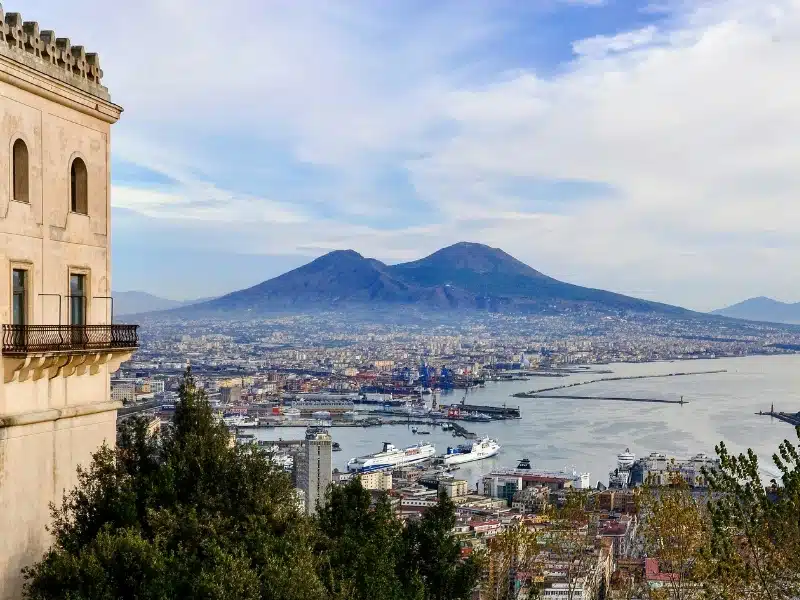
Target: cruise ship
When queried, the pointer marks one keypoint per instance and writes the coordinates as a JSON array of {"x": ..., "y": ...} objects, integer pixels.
[
  {"x": 391, "y": 457},
  {"x": 626, "y": 459},
  {"x": 478, "y": 450},
  {"x": 621, "y": 476}
]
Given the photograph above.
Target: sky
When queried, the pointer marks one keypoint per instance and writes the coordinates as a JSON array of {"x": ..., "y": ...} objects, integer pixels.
[{"x": 647, "y": 147}]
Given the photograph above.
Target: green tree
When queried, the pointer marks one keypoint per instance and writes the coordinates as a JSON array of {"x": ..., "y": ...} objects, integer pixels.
[
  {"x": 755, "y": 542},
  {"x": 360, "y": 545},
  {"x": 432, "y": 555},
  {"x": 183, "y": 515},
  {"x": 368, "y": 554}
]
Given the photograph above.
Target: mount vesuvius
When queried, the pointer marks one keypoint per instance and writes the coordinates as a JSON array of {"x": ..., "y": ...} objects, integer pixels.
[{"x": 464, "y": 276}]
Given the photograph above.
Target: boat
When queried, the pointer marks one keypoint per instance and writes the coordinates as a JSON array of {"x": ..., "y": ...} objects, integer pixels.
[
  {"x": 233, "y": 421},
  {"x": 423, "y": 432},
  {"x": 336, "y": 447},
  {"x": 291, "y": 413},
  {"x": 525, "y": 463},
  {"x": 240, "y": 421},
  {"x": 626, "y": 459},
  {"x": 391, "y": 456},
  {"x": 478, "y": 417},
  {"x": 477, "y": 450}
]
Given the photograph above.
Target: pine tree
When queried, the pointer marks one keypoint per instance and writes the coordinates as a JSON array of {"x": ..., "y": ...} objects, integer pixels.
[
  {"x": 361, "y": 545},
  {"x": 432, "y": 555}
]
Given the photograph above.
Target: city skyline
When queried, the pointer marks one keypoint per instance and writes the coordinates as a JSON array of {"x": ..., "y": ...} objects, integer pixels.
[{"x": 624, "y": 146}]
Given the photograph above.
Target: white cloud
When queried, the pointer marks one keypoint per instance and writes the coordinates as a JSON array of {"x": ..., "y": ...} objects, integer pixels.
[
  {"x": 623, "y": 42},
  {"x": 694, "y": 124},
  {"x": 203, "y": 203}
]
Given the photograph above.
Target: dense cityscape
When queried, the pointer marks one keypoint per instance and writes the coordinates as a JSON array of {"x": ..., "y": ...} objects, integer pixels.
[
  {"x": 332, "y": 372},
  {"x": 334, "y": 342}
]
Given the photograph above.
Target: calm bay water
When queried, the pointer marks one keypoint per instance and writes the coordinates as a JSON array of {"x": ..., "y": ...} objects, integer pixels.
[{"x": 558, "y": 433}]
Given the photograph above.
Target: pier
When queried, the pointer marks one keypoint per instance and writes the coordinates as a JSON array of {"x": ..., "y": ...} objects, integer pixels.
[
  {"x": 496, "y": 412},
  {"x": 458, "y": 430},
  {"x": 616, "y": 398},
  {"x": 790, "y": 418},
  {"x": 539, "y": 393}
]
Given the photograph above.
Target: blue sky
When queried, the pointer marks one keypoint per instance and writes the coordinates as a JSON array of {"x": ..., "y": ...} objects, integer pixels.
[{"x": 648, "y": 147}]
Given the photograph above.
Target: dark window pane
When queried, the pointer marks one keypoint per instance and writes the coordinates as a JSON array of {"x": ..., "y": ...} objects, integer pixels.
[
  {"x": 19, "y": 175},
  {"x": 20, "y": 296},
  {"x": 77, "y": 291}
]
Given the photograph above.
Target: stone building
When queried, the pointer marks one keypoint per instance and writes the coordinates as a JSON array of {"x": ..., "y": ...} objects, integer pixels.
[
  {"x": 454, "y": 488},
  {"x": 59, "y": 347}
]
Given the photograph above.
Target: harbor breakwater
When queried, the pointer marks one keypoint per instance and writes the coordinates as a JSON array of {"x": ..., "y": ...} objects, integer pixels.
[{"x": 545, "y": 392}]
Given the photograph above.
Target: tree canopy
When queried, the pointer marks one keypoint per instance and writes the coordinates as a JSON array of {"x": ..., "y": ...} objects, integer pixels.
[{"x": 187, "y": 514}]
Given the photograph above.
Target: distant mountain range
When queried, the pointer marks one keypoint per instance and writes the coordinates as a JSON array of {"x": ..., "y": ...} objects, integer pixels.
[
  {"x": 134, "y": 302},
  {"x": 763, "y": 309},
  {"x": 465, "y": 276}
]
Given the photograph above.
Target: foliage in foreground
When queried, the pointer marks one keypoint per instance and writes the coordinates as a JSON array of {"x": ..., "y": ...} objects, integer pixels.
[
  {"x": 188, "y": 515},
  {"x": 740, "y": 541}
]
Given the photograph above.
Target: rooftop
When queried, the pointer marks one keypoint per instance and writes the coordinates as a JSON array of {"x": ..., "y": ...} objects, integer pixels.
[{"x": 23, "y": 42}]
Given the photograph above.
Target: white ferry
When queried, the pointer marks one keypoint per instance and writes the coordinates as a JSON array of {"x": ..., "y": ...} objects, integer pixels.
[
  {"x": 472, "y": 451},
  {"x": 391, "y": 457}
]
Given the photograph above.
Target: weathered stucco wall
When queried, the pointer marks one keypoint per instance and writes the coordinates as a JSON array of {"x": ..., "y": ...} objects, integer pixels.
[
  {"x": 50, "y": 425},
  {"x": 38, "y": 464}
]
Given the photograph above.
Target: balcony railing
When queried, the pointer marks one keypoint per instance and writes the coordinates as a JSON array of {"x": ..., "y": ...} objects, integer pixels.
[{"x": 29, "y": 339}]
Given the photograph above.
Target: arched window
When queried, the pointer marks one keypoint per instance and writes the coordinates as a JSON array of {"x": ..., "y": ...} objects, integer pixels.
[
  {"x": 79, "y": 184},
  {"x": 19, "y": 169}
]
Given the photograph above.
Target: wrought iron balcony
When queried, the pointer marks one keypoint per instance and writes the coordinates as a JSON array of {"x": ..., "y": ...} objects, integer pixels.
[{"x": 19, "y": 340}]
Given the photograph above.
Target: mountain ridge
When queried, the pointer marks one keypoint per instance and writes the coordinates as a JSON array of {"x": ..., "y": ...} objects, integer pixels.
[
  {"x": 463, "y": 276},
  {"x": 133, "y": 302},
  {"x": 762, "y": 308}
]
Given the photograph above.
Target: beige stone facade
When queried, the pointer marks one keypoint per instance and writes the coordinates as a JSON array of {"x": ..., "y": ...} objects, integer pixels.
[{"x": 55, "y": 405}]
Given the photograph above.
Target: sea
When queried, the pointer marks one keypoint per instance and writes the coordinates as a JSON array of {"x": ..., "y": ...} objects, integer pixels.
[{"x": 586, "y": 436}]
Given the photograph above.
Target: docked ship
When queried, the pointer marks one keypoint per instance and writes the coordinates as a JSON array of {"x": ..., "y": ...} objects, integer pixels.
[
  {"x": 240, "y": 421},
  {"x": 391, "y": 457},
  {"x": 626, "y": 459},
  {"x": 478, "y": 417},
  {"x": 478, "y": 450},
  {"x": 621, "y": 476}
]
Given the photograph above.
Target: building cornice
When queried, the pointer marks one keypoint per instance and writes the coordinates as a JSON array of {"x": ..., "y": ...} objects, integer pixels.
[
  {"x": 42, "y": 84},
  {"x": 56, "y": 414}
]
